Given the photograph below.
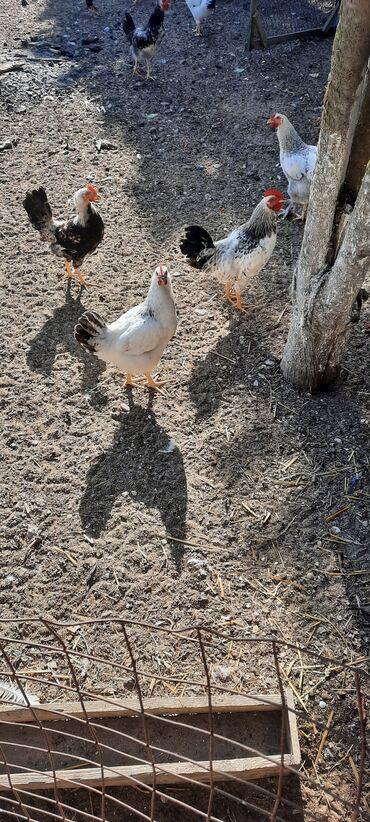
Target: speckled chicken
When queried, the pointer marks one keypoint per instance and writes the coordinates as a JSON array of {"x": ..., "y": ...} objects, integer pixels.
[
  {"x": 241, "y": 255},
  {"x": 297, "y": 160}
]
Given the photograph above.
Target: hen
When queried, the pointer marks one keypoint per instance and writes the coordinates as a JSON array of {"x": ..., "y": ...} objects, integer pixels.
[
  {"x": 200, "y": 9},
  {"x": 73, "y": 239},
  {"x": 136, "y": 341},
  {"x": 241, "y": 255},
  {"x": 145, "y": 41},
  {"x": 297, "y": 160}
]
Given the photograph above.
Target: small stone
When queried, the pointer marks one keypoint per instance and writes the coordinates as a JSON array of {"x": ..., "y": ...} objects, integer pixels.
[
  {"x": 322, "y": 704},
  {"x": 335, "y": 529},
  {"x": 255, "y": 384}
]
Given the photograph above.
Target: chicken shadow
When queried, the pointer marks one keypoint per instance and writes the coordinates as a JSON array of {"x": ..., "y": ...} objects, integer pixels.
[
  {"x": 224, "y": 365},
  {"x": 57, "y": 333},
  {"x": 143, "y": 462}
]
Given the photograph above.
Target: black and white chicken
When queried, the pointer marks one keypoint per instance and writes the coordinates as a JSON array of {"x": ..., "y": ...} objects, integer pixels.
[
  {"x": 72, "y": 239},
  {"x": 145, "y": 40},
  {"x": 241, "y": 255}
]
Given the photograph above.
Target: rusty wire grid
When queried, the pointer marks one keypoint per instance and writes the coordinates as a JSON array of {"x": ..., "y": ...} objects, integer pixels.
[{"x": 84, "y": 754}]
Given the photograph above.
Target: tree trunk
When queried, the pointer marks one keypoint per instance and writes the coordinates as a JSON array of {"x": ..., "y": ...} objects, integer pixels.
[
  {"x": 318, "y": 335},
  {"x": 360, "y": 152},
  {"x": 322, "y": 302}
]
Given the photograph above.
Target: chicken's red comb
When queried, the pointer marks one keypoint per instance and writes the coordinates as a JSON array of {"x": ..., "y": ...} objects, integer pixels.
[
  {"x": 273, "y": 192},
  {"x": 91, "y": 188}
]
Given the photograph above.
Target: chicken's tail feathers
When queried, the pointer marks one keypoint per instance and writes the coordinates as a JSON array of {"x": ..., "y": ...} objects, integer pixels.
[
  {"x": 128, "y": 26},
  {"x": 88, "y": 330},
  {"x": 195, "y": 242},
  {"x": 156, "y": 18},
  {"x": 39, "y": 213}
]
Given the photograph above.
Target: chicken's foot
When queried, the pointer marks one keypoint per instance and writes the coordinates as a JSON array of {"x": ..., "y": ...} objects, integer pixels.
[
  {"x": 198, "y": 31},
  {"x": 301, "y": 216},
  {"x": 228, "y": 295},
  {"x": 81, "y": 279},
  {"x": 135, "y": 69},
  {"x": 239, "y": 303},
  {"x": 154, "y": 384},
  {"x": 149, "y": 75},
  {"x": 130, "y": 383},
  {"x": 68, "y": 269}
]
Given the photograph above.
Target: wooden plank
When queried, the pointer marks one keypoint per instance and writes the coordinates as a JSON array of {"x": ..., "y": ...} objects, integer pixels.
[
  {"x": 168, "y": 773},
  {"x": 131, "y": 707},
  {"x": 293, "y": 35},
  {"x": 293, "y": 727},
  {"x": 252, "y": 7}
]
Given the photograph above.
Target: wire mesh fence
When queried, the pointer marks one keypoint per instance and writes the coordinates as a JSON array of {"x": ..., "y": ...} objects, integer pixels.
[
  {"x": 115, "y": 719},
  {"x": 272, "y": 21}
]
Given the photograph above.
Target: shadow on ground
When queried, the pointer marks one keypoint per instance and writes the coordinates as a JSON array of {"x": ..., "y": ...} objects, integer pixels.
[
  {"x": 57, "y": 333},
  {"x": 144, "y": 462}
]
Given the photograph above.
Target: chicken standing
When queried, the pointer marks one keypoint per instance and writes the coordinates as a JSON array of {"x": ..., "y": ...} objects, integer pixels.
[
  {"x": 297, "y": 160},
  {"x": 145, "y": 41},
  {"x": 200, "y": 9},
  {"x": 136, "y": 341},
  {"x": 73, "y": 239},
  {"x": 241, "y": 255}
]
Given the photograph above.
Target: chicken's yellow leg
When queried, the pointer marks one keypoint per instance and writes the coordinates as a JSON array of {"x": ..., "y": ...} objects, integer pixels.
[
  {"x": 239, "y": 302},
  {"x": 68, "y": 269},
  {"x": 198, "y": 30},
  {"x": 80, "y": 278},
  {"x": 228, "y": 295}
]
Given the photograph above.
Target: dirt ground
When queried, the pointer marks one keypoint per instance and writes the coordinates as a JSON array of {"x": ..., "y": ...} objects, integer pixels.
[{"x": 212, "y": 502}]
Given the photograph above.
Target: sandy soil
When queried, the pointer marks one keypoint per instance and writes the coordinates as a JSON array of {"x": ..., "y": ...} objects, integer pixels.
[{"x": 209, "y": 502}]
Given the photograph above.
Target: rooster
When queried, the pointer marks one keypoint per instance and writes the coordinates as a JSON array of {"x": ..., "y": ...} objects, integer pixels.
[
  {"x": 73, "y": 239},
  {"x": 145, "y": 41},
  {"x": 241, "y": 255},
  {"x": 297, "y": 160},
  {"x": 136, "y": 341},
  {"x": 200, "y": 9}
]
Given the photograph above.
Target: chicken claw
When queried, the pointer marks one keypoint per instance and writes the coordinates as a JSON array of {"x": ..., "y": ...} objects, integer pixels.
[
  {"x": 81, "y": 279},
  {"x": 130, "y": 383},
  {"x": 153, "y": 384},
  {"x": 239, "y": 303}
]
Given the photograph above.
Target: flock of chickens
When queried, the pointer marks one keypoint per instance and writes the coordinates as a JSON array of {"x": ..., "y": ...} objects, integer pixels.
[{"x": 136, "y": 341}]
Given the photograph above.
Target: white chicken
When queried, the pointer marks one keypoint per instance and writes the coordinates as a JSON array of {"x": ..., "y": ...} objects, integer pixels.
[
  {"x": 200, "y": 9},
  {"x": 136, "y": 341},
  {"x": 297, "y": 160},
  {"x": 241, "y": 255}
]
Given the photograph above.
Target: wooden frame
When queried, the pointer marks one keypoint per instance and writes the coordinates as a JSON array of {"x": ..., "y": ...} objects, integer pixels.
[
  {"x": 256, "y": 29},
  {"x": 254, "y": 767}
]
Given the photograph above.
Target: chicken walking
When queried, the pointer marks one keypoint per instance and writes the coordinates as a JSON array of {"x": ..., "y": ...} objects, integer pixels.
[
  {"x": 241, "y": 255},
  {"x": 146, "y": 40},
  {"x": 136, "y": 341},
  {"x": 73, "y": 239}
]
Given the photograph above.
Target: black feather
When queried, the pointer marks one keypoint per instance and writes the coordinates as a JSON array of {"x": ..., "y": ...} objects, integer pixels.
[
  {"x": 197, "y": 245},
  {"x": 128, "y": 26},
  {"x": 90, "y": 326},
  {"x": 38, "y": 209}
]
